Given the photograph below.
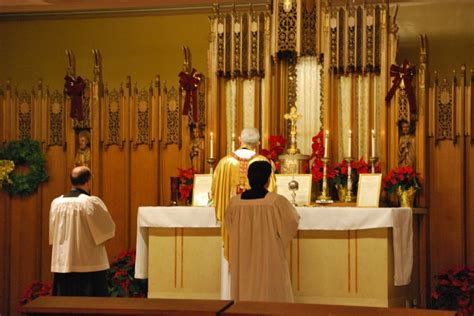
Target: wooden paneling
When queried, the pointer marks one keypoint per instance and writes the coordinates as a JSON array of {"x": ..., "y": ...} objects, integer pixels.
[
  {"x": 469, "y": 202},
  {"x": 115, "y": 175},
  {"x": 447, "y": 210},
  {"x": 4, "y": 250},
  {"x": 143, "y": 183},
  {"x": 25, "y": 243}
]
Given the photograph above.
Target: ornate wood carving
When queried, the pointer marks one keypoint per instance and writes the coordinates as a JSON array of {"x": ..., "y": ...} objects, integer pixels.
[
  {"x": 24, "y": 114},
  {"x": 228, "y": 46},
  {"x": 202, "y": 103},
  {"x": 237, "y": 44},
  {"x": 220, "y": 39},
  {"x": 114, "y": 117},
  {"x": 245, "y": 45},
  {"x": 55, "y": 118},
  {"x": 173, "y": 117},
  {"x": 444, "y": 111},
  {"x": 355, "y": 38},
  {"x": 377, "y": 40},
  {"x": 309, "y": 31},
  {"x": 358, "y": 49},
  {"x": 333, "y": 39},
  {"x": 369, "y": 35},
  {"x": 351, "y": 39},
  {"x": 403, "y": 106},
  {"x": 287, "y": 27},
  {"x": 341, "y": 38},
  {"x": 143, "y": 116},
  {"x": 239, "y": 37}
]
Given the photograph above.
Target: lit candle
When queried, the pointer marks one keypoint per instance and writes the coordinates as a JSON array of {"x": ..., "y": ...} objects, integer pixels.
[
  {"x": 233, "y": 142},
  {"x": 326, "y": 140},
  {"x": 211, "y": 147},
  {"x": 373, "y": 143},
  {"x": 349, "y": 144}
]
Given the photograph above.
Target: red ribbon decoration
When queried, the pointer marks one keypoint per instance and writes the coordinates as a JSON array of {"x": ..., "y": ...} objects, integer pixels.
[
  {"x": 405, "y": 73},
  {"x": 74, "y": 88},
  {"x": 190, "y": 82}
]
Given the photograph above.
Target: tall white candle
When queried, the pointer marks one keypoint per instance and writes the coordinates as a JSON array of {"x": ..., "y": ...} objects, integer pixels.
[
  {"x": 211, "y": 146},
  {"x": 326, "y": 140},
  {"x": 233, "y": 142},
  {"x": 373, "y": 143},
  {"x": 349, "y": 144}
]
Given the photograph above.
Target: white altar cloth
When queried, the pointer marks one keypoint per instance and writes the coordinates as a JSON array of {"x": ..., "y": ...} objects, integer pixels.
[{"x": 312, "y": 218}]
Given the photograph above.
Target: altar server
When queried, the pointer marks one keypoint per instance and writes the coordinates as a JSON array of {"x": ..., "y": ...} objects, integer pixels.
[
  {"x": 261, "y": 225},
  {"x": 79, "y": 226},
  {"x": 230, "y": 179}
]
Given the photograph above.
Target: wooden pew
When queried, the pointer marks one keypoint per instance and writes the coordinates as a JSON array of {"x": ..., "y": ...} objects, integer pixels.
[
  {"x": 258, "y": 308},
  {"x": 69, "y": 305}
]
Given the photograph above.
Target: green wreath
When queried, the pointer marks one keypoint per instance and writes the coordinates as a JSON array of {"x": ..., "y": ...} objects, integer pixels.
[{"x": 26, "y": 153}]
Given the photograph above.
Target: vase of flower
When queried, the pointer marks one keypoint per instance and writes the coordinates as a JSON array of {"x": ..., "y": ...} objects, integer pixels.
[
  {"x": 406, "y": 197},
  {"x": 186, "y": 177},
  {"x": 404, "y": 182}
]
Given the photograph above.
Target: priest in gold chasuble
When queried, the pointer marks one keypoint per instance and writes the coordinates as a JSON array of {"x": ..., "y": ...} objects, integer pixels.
[{"x": 230, "y": 176}]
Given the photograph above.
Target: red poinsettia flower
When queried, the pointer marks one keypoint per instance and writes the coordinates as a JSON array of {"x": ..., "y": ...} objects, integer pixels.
[
  {"x": 277, "y": 145},
  {"x": 185, "y": 191},
  {"x": 403, "y": 177},
  {"x": 186, "y": 173}
]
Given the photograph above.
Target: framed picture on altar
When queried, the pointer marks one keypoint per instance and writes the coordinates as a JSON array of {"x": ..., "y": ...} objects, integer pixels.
[
  {"x": 201, "y": 189},
  {"x": 295, "y": 187},
  {"x": 368, "y": 194}
]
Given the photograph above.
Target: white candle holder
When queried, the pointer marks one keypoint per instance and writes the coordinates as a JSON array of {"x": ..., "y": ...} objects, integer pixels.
[{"x": 349, "y": 196}]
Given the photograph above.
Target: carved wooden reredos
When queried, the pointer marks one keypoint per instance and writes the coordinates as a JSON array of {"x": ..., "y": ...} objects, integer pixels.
[{"x": 330, "y": 61}]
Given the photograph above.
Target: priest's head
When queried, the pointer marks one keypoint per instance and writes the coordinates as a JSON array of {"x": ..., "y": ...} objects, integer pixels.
[
  {"x": 249, "y": 137},
  {"x": 80, "y": 178},
  {"x": 258, "y": 174}
]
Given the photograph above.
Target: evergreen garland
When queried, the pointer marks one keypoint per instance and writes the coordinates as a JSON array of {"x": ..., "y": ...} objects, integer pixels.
[{"x": 24, "y": 153}]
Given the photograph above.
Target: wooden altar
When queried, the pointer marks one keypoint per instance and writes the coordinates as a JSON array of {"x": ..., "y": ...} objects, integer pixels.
[{"x": 341, "y": 255}]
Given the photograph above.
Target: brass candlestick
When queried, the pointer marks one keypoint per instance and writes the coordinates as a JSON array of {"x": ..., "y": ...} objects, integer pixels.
[
  {"x": 211, "y": 162},
  {"x": 324, "y": 198},
  {"x": 349, "y": 196},
  {"x": 373, "y": 162}
]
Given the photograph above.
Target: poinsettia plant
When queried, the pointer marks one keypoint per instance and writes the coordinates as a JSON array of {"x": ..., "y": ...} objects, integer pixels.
[
  {"x": 121, "y": 277},
  {"x": 401, "y": 177},
  {"x": 35, "y": 290},
  {"x": 455, "y": 291},
  {"x": 277, "y": 145},
  {"x": 186, "y": 177},
  {"x": 357, "y": 167}
]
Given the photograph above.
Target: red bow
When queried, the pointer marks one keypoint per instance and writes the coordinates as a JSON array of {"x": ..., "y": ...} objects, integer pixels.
[
  {"x": 190, "y": 82},
  {"x": 405, "y": 73},
  {"x": 74, "y": 88}
]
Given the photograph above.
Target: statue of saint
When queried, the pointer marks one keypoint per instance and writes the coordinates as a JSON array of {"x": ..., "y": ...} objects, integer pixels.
[
  {"x": 83, "y": 155},
  {"x": 196, "y": 150},
  {"x": 406, "y": 146}
]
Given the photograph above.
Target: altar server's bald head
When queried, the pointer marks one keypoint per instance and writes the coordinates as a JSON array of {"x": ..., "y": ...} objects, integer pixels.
[{"x": 80, "y": 176}]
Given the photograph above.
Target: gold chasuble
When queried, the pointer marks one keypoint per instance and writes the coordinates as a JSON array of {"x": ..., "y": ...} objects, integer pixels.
[{"x": 230, "y": 179}]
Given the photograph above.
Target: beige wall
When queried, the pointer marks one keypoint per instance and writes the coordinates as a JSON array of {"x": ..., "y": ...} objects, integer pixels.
[
  {"x": 449, "y": 26},
  {"x": 138, "y": 46}
]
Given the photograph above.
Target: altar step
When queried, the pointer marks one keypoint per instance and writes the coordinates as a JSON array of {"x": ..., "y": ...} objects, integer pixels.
[{"x": 56, "y": 305}]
